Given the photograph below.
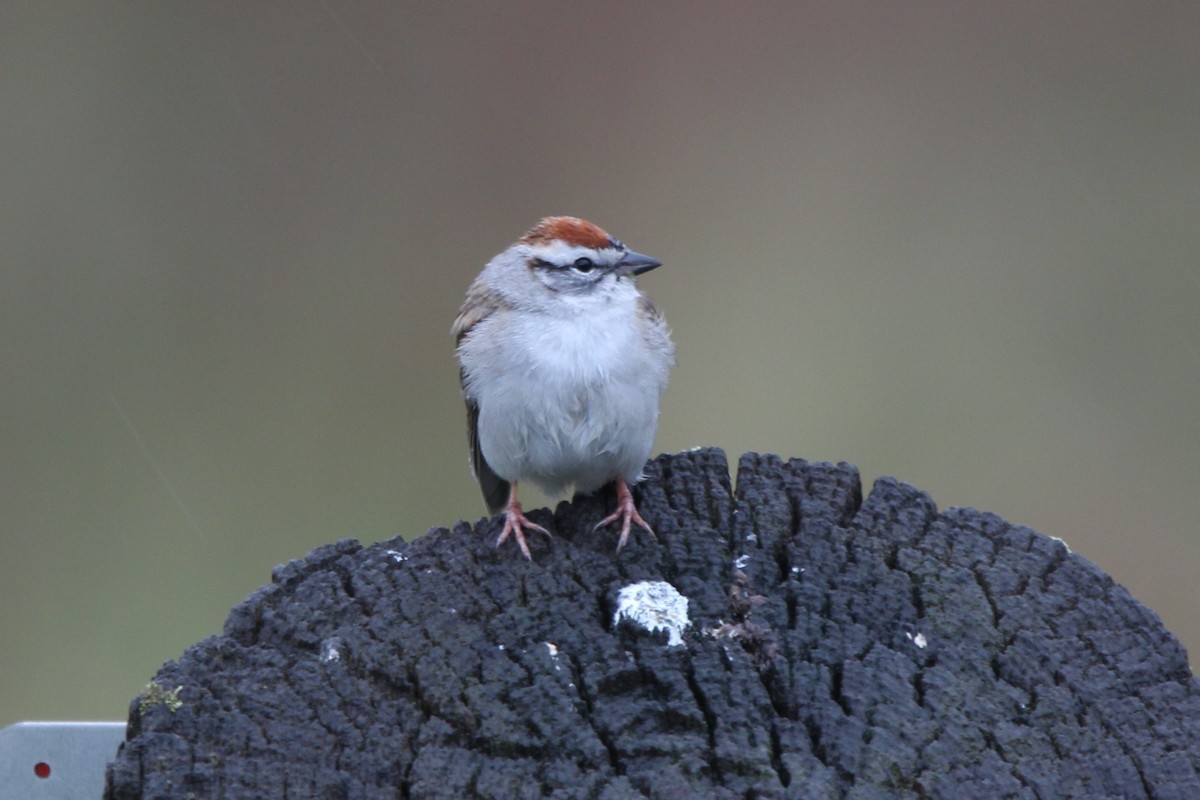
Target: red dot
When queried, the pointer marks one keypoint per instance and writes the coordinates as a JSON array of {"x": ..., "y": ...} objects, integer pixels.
[{"x": 41, "y": 769}]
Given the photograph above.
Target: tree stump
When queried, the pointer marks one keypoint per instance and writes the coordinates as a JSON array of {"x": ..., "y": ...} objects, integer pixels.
[{"x": 834, "y": 648}]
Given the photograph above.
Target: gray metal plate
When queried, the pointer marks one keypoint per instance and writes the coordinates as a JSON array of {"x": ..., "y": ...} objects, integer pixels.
[{"x": 72, "y": 756}]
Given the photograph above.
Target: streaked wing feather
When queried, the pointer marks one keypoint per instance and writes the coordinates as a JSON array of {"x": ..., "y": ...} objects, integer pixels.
[
  {"x": 481, "y": 302},
  {"x": 655, "y": 328}
]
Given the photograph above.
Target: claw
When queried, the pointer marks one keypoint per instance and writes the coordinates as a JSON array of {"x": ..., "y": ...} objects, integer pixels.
[
  {"x": 626, "y": 512},
  {"x": 515, "y": 523}
]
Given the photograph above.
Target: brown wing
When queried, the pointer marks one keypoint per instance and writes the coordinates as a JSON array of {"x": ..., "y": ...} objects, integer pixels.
[
  {"x": 655, "y": 329},
  {"x": 480, "y": 303}
]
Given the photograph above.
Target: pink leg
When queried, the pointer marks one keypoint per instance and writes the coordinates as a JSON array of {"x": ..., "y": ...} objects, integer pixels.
[
  {"x": 515, "y": 522},
  {"x": 626, "y": 512}
]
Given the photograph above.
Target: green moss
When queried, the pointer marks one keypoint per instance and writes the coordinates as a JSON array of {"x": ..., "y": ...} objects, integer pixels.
[{"x": 153, "y": 695}]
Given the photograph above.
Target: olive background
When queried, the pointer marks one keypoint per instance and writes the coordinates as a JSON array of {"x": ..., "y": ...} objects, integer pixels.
[{"x": 955, "y": 243}]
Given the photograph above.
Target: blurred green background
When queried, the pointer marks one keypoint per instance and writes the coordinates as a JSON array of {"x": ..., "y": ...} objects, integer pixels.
[{"x": 956, "y": 243}]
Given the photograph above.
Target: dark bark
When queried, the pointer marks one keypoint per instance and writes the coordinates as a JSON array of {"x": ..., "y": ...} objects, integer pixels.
[{"x": 837, "y": 649}]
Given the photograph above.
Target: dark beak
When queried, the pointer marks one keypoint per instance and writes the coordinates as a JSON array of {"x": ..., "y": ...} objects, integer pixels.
[{"x": 636, "y": 263}]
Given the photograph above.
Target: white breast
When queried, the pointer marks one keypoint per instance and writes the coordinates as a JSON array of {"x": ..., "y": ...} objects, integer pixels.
[{"x": 569, "y": 399}]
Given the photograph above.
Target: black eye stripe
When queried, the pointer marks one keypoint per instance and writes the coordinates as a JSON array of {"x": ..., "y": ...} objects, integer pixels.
[{"x": 580, "y": 264}]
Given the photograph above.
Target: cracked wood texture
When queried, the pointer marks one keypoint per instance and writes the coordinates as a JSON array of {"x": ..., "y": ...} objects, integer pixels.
[{"x": 838, "y": 649}]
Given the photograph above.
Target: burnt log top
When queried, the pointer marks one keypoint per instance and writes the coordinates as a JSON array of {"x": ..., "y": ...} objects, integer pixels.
[{"x": 830, "y": 647}]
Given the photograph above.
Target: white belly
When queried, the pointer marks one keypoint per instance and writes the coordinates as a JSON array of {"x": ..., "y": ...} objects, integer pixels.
[{"x": 575, "y": 406}]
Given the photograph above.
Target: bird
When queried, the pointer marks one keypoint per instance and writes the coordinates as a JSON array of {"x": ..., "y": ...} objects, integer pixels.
[{"x": 563, "y": 362}]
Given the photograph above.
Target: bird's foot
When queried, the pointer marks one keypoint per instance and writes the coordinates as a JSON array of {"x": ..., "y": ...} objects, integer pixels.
[
  {"x": 516, "y": 523},
  {"x": 627, "y": 513}
]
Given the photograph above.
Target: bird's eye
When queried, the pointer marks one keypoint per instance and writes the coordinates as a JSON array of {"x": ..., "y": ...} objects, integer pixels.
[{"x": 584, "y": 264}]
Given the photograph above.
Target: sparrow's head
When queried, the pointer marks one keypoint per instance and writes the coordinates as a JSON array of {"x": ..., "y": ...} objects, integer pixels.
[{"x": 568, "y": 255}]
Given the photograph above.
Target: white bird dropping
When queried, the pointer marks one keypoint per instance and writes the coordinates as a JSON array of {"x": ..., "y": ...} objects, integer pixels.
[{"x": 655, "y": 606}]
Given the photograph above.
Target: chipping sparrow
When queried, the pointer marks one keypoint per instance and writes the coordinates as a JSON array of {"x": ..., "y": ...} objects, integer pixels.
[{"x": 563, "y": 363}]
